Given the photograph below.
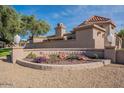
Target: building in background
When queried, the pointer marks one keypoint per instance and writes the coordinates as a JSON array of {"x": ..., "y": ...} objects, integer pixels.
[{"x": 96, "y": 32}]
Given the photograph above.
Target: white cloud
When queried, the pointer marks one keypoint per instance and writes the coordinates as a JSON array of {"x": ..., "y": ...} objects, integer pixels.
[
  {"x": 56, "y": 15},
  {"x": 78, "y": 14},
  {"x": 64, "y": 13},
  {"x": 59, "y": 15}
]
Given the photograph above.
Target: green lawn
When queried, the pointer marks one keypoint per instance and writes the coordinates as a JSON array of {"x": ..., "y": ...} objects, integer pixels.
[{"x": 5, "y": 51}]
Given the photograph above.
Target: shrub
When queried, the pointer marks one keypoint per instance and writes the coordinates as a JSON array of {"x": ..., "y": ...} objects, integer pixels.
[
  {"x": 77, "y": 57},
  {"x": 54, "y": 57},
  {"x": 40, "y": 59},
  {"x": 31, "y": 55},
  {"x": 72, "y": 56},
  {"x": 96, "y": 56}
]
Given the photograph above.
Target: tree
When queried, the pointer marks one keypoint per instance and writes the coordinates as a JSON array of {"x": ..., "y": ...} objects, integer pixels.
[
  {"x": 10, "y": 24},
  {"x": 121, "y": 33},
  {"x": 34, "y": 26}
]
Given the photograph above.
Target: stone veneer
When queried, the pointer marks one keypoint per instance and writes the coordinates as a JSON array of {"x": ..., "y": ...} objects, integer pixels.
[
  {"x": 19, "y": 53},
  {"x": 116, "y": 56}
]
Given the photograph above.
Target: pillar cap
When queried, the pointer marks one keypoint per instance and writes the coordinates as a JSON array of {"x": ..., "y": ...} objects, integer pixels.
[{"x": 17, "y": 47}]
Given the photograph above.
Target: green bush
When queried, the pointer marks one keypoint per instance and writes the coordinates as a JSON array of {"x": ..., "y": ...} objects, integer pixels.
[
  {"x": 31, "y": 55},
  {"x": 54, "y": 57},
  {"x": 96, "y": 56},
  {"x": 72, "y": 56}
]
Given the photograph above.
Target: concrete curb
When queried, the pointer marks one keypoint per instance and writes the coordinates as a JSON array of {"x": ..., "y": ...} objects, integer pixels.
[{"x": 98, "y": 63}]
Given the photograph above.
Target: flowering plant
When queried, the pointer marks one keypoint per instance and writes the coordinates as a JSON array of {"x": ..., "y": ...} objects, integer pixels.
[
  {"x": 40, "y": 59},
  {"x": 62, "y": 55}
]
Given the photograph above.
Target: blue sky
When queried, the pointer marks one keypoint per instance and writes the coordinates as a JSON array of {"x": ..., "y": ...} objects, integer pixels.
[{"x": 72, "y": 15}]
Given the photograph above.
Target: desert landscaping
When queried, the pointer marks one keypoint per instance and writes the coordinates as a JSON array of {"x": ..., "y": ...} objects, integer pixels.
[
  {"x": 36, "y": 53},
  {"x": 14, "y": 75}
]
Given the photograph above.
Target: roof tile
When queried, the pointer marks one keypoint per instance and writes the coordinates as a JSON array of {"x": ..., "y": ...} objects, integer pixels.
[{"x": 96, "y": 19}]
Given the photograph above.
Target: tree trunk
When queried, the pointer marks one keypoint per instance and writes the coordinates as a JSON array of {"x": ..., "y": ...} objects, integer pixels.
[{"x": 5, "y": 40}]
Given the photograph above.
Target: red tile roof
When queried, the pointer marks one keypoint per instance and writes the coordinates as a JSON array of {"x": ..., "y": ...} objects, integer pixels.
[
  {"x": 97, "y": 19},
  {"x": 54, "y": 38}
]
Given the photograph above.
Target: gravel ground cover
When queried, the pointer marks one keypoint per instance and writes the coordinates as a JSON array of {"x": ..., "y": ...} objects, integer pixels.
[{"x": 14, "y": 75}]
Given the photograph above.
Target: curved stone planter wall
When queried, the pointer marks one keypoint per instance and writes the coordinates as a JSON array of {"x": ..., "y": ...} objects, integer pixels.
[{"x": 99, "y": 63}]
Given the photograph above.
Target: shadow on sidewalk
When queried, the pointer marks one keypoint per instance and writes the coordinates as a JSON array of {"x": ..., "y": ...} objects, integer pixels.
[{"x": 4, "y": 59}]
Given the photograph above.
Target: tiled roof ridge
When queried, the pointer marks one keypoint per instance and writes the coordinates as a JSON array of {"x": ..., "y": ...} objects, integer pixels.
[{"x": 97, "y": 18}]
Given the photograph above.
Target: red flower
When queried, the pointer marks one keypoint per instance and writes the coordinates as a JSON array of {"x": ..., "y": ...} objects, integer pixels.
[{"x": 62, "y": 55}]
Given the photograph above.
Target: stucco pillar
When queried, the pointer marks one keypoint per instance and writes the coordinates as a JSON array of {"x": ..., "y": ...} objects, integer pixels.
[
  {"x": 17, "y": 53},
  {"x": 110, "y": 53}
]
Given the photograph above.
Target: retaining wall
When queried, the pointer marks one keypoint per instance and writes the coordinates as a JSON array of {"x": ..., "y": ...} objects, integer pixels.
[
  {"x": 22, "y": 53},
  {"x": 88, "y": 52},
  {"x": 98, "y": 63},
  {"x": 117, "y": 56}
]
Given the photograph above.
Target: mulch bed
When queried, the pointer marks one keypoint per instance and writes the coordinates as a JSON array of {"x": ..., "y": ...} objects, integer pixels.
[{"x": 61, "y": 62}]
